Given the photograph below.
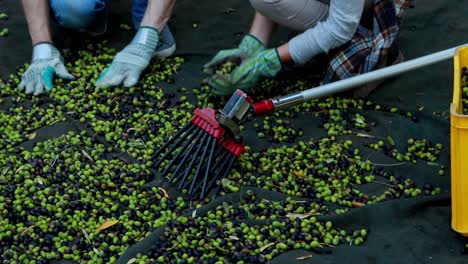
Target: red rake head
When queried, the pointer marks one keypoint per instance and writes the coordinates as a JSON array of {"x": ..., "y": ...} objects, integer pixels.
[
  {"x": 200, "y": 154},
  {"x": 232, "y": 146},
  {"x": 206, "y": 119}
]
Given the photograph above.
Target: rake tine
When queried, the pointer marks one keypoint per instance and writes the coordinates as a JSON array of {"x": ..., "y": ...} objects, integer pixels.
[
  {"x": 219, "y": 160},
  {"x": 226, "y": 172},
  {"x": 210, "y": 141},
  {"x": 191, "y": 141},
  {"x": 169, "y": 152},
  {"x": 176, "y": 136},
  {"x": 194, "y": 158},
  {"x": 207, "y": 173},
  {"x": 197, "y": 138},
  {"x": 218, "y": 150}
]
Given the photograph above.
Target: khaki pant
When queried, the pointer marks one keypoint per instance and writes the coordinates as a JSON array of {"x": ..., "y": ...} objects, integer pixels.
[
  {"x": 295, "y": 14},
  {"x": 301, "y": 15}
]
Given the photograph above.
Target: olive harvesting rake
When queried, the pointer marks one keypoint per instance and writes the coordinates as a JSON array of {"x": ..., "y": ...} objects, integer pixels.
[{"x": 203, "y": 152}]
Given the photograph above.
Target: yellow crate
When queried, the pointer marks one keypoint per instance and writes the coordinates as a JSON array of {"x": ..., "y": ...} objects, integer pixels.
[{"x": 459, "y": 148}]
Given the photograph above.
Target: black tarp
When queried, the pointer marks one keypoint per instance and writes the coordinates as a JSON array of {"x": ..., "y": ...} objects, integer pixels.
[{"x": 402, "y": 231}]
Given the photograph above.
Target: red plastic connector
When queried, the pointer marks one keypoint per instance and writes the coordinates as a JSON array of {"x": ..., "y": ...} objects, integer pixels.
[
  {"x": 264, "y": 107},
  {"x": 206, "y": 119},
  {"x": 232, "y": 146},
  {"x": 247, "y": 98}
]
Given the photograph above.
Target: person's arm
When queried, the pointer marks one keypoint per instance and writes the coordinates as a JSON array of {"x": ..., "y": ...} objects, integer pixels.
[
  {"x": 129, "y": 63},
  {"x": 262, "y": 28},
  {"x": 158, "y": 13},
  {"x": 252, "y": 43},
  {"x": 46, "y": 61},
  {"x": 339, "y": 28},
  {"x": 284, "y": 54},
  {"x": 37, "y": 16}
]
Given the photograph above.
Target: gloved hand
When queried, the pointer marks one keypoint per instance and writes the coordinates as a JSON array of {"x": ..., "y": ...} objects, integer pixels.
[
  {"x": 46, "y": 61},
  {"x": 128, "y": 64},
  {"x": 248, "y": 47},
  {"x": 265, "y": 64}
]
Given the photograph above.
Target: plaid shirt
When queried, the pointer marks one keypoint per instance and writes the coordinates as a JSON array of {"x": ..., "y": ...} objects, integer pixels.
[{"x": 363, "y": 52}]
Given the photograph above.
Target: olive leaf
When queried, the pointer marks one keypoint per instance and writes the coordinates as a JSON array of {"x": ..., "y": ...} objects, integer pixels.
[
  {"x": 304, "y": 257},
  {"x": 25, "y": 231},
  {"x": 131, "y": 261},
  {"x": 56, "y": 121},
  {"x": 233, "y": 237},
  {"x": 5, "y": 170},
  {"x": 299, "y": 174},
  {"x": 140, "y": 236},
  {"x": 19, "y": 169},
  {"x": 357, "y": 204},
  {"x": 221, "y": 249},
  {"x": 87, "y": 155},
  {"x": 164, "y": 192},
  {"x": 107, "y": 224},
  {"x": 32, "y": 135},
  {"x": 194, "y": 214},
  {"x": 359, "y": 120},
  {"x": 40, "y": 181},
  {"x": 96, "y": 251},
  {"x": 86, "y": 235},
  {"x": 249, "y": 214},
  {"x": 430, "y": 163},
  {"x": 300, "y": 216},
  {"x": 226, "y": 207},
  {"x": 225, "y": 182},
  {"x": 364, "y": 135},
  {"x": 391, "y": 141},
  {"x": 266, "y": 246}
]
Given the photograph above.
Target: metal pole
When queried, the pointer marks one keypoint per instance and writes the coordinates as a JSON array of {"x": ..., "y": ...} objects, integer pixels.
[{"x": 346, "y": 84}]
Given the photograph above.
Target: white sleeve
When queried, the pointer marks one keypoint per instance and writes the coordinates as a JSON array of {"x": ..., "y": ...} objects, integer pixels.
[{"x": 343, "y": 19}]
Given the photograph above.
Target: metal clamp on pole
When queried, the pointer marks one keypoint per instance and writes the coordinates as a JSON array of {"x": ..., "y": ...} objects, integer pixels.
[{"x": 238, "y": 109}]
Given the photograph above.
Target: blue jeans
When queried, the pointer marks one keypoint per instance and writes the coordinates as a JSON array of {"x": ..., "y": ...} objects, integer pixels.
[{"x": 81, "y": 14}]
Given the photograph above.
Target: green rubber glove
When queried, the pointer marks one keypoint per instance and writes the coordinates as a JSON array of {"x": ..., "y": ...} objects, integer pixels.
[
  {"x": 128, "y": 64},
  {"x": 46, "y": 62},
  {"x": 248, "y": 47},
  {"x": 265, "y": 64}
]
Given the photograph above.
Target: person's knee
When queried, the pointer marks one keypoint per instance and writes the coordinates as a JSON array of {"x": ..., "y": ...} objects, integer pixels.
[
  {"x": 76, "y": 14},
  {"x": 295, "y": 14},
  {"x": 257, "y": 4}
]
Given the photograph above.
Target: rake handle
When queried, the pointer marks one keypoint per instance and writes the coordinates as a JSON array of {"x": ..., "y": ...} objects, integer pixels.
[{"x": 268, "y": 106}]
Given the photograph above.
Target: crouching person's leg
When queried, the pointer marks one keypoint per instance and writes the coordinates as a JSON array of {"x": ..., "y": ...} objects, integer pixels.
[
  {"x": 78, "y": 15},
  {"x": 295, "y": 14},
  {"x": 167, "y": 45}
]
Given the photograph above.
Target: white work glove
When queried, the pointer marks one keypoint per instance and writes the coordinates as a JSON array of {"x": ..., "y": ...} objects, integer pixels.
[
  {"x": 128, "y": 64},
  {"x": 46, "y": 62}
]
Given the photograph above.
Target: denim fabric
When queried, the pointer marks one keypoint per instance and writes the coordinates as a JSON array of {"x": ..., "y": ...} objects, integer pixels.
[{"x": 77, "y": 14}]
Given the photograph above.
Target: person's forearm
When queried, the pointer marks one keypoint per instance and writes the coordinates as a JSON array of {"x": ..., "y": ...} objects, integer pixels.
[
  {"x": 158, "y": 13},
  {"x": 283, "y": 52},
  {"x": 262, "y": 28},
  {"x": 37, "y": 16},
  {"x": 339, "y": 28}
]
